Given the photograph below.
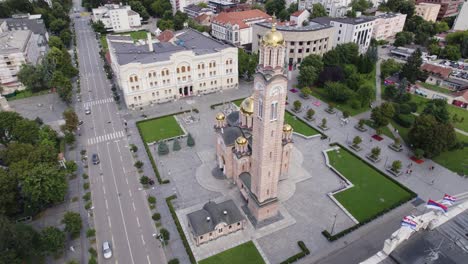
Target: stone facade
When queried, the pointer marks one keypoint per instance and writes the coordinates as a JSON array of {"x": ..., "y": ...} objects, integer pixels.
[
  {"x": 387, "y": 25},
  {"x": 427, "y": 11},
  {"x": 448, "y": 8},
  {"x": 253, "y": 144}
]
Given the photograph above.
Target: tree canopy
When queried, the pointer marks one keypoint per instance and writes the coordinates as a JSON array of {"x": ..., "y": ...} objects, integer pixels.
[
  {"x": 318, "y": 11},
  {"x": 411, "y": 69}
]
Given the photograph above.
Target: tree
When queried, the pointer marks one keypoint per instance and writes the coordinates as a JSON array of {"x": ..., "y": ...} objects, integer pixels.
[
  {"x": 72, "y": 223},
  {"x": 441, "y": 26},
  {"x": 275, "y": 6},
  {"x": 338, "y": 92},
  {"x": 396, "y": 166},
  {"x": 306, "y": 92},
  {"x": 313, "y": 60},
  {"x": 144, "y": 180},
  {"x": 318, "y": 11},
  {"x": 44, "y": 184},
  {"x": 140, "y": 9},
  {"x": 57, "y": 25},
  {"x": 71, "y": 120},
  {"x": 402, "y": 6},
  {"x": 138, "y": 164},
  {"x": 53, "y": 240},
  {"x": 366, "y": 94},
  {"x": 19, "y": 242},
  {"x": 179, "y": 20},
  {"x": 389, "y": 67},
  {"x": 297, "y": 105},
  {"x": 163, "y": 149},
  {"x": 66, "y": 37},
  {"x": 431, "y": 136},
  {"x": 160, "y": 6},
  {"x": 190, "y": 140},
  {"x": 307, "y": 76},
  {"x": 63, "y": 86},
  {"x": 165, "y": 234},
  {"x": 8, "y": 194},
  {"x": 324, "y": 122},
  {"x": 99, "y": 27},
  {"x": 381, "y": 115},
  {"x": 403, "y": 38},
  {"x": 356, "y": 141},
  {"x": 438, "y": 109},
  {"x": 411, "y": 69},
  {"x": 360, "y": 5},
  {"x": 347, "y": 53},
  {"x": 8, "y": 121},
  {"x": 25, "y": 131},
  {"x": 310, "y": 113},
  {"x": 247, "y": 63},
  {"x": 176, "y": 145},
  {"x": 331, "y": 74},
  {"x": 33, "y": 77},
  {"x": 56, "y": 42},
  {"x": 375, "y": 153},
  {"x": 451, "y": 52}
]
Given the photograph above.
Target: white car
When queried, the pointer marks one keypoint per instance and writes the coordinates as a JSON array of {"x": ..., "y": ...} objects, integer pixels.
[
  {"x": 87, "y": 111},
  {"x": 106, "y": 250}
]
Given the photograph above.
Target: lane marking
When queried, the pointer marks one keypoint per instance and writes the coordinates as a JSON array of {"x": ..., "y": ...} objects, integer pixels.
[
  {"x": 147, "y": 257},
  {"x": 143, "y": 240},
  {"x": 138, "y": 221},
  {"x": 108, "y": 219},
  {"x": 104, "y": 189},
  {"x": 107, "y": 205},
  {"x": 130, "y": 192},
  {"x": 134, "y": 209},
  {"x": 126, "y": 180}
]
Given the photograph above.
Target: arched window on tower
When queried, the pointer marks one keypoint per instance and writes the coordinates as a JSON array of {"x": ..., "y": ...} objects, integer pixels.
[
  {"x": 269, "y": 58},
  {"x": 260, "y": 108},
  {"x": 277, "y": 57}
]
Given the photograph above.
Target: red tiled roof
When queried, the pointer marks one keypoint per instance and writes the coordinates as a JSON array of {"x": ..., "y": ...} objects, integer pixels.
[
  {"x": 297, "y": 13},
  {"x": 240, "y": 18},
  {"x": 201, "y": 18},
  {"x": 165, "y": 36},
  {"x": 463, "y": 94},
  {"x": 435, "y": 69}
]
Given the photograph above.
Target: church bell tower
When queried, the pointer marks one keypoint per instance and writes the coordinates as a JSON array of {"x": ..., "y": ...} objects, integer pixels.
[{"x": 270, "y": 90}]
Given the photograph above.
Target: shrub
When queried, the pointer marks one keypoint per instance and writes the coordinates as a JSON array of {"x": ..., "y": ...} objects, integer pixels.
[
  {"x": 324, "y": 122},
  {"x": 144, "y": 180},
  {"x": 306, "y": 92},
  {"x": 92, "y": 252},
  {"x": 297, "y": 105},
  {"x": 138, "y": 164},
  {"x": 379, "y": 131},
  {"x": 397, "y": 141},
  {"x": 190, "y": 140},
  {"x": 413, "y": 107},
  {"x": 361, "y": 123},
  {"x": 72, "y": 223},
  {"x": 165, "y": 234},
  {"x": 396, "y": 166},
  {"x": 87, "y": 196},
  {"x": 304, "y": 252},
  {"x": 85, "y": 176},
  {"x": 355, "y": 104},
  {"x": 179, "y": 229},
  {"x": 405, "y": 120},
  {"x": 375, "y": 152},
  {"x": 418, "y": 153},
  {"x": 331, "y": 106},
  {"x": 173, "y": 261},
  {"x": 176, "y": 145},
  {"x": 86, "y": 185},
  {"x": 357, "y": 140},
  {"x": 88, "y": 205},
  {"x": 90, "y": 232},
  {"x": 310, "y": 113},
  {"x": 156, "y": 216},
  {"x": 163, "y": 149},
  {"x": 92, "y": 260},
  {"x": 346, "y": 114},
  {"x": 133, "y": 148},
  {"x": 151, "y": 199}
]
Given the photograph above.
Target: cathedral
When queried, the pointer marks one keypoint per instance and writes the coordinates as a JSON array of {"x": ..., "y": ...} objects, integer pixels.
[{"x": 253, "y": 144}]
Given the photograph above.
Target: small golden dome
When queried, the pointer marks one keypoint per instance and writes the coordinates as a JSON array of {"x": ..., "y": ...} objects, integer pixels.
[
  {"x": 273, "y": 38},
  {"x": 247, "y": 106},
  {"x": 220, "y": 116},
  {"x": 287, "y": 128},
  {"x": 241, "y": 141}
]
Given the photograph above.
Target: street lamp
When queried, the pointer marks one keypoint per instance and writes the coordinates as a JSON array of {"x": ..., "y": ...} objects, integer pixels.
[{"x": 333, "y": 226}]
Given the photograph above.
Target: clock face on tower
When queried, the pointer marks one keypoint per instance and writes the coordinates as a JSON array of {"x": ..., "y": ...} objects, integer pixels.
[{"x": 276, "y": 90}]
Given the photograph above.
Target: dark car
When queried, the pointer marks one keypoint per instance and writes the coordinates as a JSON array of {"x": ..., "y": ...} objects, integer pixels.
[{"x": 95, "y": 159}]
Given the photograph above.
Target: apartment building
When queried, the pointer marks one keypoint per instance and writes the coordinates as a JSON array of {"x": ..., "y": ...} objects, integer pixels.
[
  {"x": 387, "y": 25},
  {"x": 236, "y": 27},
  {"x": 427, "y": 11},
  {"x": 17, "y": 48},
  {"x": 190, "y": 64},
  {"x": 35, "y": 23},
  {"x": 117, "y": 18},
  {"x": 448, "y": 8},
  {"x": 358, "y": 30}
]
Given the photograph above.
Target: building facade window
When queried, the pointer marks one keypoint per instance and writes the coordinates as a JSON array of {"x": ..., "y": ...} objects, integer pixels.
[{"x": 274, "y": 111}]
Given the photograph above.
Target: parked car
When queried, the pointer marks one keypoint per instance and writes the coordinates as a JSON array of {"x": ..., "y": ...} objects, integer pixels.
[
  {"x": 106, "y": 250},
  {"x": 95, "y": 159},
  {"x": 87, "y": 110}
]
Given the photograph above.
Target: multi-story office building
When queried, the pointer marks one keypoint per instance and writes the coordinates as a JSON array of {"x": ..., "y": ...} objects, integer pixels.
[
  {"x": 236, "y": 27},
  {"x": 334, "y": 8},
  {"x": 194, "y": 11},
  {"x": 300, "y": 41},
  {"x": 387, "y": 25},
  {"x": 190, "y": 64},
  {"x": 357, "y": 30},
  {"x": 427, "y": 11},
  {"x": 179, "y": 5},
  {"x": 448, "y": 8},
  {"x": 117, "y": 18},
  {"x": 17, "y": 48}
]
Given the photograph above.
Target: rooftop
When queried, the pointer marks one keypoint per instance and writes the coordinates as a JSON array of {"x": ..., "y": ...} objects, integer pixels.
[
  {"x": 240, "y": 18},
  {"x": 297, "y": 13},
  {"x": 188, "y": 40},
  {"x": 206, "y": 219},
  {"x": 14, "y": 41},
  {"x": 311, "y": 27},
  {"x": 344, "y": 20},
  {"x": 444, "y": 72}
]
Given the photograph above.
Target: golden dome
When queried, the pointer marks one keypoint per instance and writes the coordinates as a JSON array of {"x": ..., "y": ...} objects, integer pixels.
[
  {"x": 247, "y": 106},
  {"x": 220, "y": 116},
  {"x": 287, "y": 128},
  {"x": 241, "y": 141},
  {"x": 273, "y": 38}
]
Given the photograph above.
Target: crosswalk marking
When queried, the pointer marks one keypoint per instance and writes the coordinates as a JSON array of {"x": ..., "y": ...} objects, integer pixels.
[
  {"x": 106, "y": 137},
  {"x": 98, "y": 102}
]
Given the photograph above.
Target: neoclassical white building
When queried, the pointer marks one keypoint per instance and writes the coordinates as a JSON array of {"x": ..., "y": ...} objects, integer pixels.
[{"x": 156, "y": 72}]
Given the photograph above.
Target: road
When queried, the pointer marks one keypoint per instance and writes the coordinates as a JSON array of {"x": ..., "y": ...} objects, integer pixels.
[{"x": 120, "y": 207}]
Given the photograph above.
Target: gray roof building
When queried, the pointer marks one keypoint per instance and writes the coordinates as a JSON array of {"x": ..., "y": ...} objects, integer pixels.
[
  {"x": 345, "y": 20},
  {"x": 191, "y": 40},
  {"x": 27, "y": 22},
  {"x": 206, "y": 219}
]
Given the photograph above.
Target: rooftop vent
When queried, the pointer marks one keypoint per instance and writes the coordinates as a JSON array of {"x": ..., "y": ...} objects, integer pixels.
[
  {"x": 208, "y": 218},
  {"x": 225, "y": 212}
]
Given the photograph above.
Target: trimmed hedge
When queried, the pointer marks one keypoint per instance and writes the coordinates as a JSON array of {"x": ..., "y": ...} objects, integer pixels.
[
  {"x": 338, "y": 235},
  {"x": 304, "y": 252},
  {"x": 179, "y": 228}
]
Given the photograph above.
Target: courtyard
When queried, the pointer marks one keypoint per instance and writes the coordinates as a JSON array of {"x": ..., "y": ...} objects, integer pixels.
[
  {"x": 156, "y": 129},
  {"x": 245, "y": 253}
]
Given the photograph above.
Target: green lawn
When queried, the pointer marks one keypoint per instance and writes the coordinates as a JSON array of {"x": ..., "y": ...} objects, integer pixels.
[
  {"x": 456, "y": 160},
  {"x": 245, "y": 253},
  {"x": 372, "y": 193},
  {"x": 159, "y": 128},
  {"x": 238, "y": 101},
  {"x": 25, "y": 94},
  {"x": 299, "y": 126},
  {"x": 435, "y": 88}
]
